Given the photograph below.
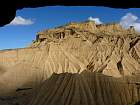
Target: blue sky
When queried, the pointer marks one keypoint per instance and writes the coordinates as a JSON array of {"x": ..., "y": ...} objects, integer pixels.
[{"x": 22, "y": 30}]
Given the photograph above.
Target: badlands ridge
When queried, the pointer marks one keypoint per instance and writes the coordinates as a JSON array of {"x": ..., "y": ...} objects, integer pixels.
[{"x": 74, "y": 64}]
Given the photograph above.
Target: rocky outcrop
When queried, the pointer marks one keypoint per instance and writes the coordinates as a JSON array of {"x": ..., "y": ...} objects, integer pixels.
[
  {"x": 107, "y": 49},
  {"x": 88, "y": 27},
  {"x": 87, "y": 88}
]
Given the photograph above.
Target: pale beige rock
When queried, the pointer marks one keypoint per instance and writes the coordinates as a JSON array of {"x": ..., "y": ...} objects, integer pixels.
[
  {"x": 107, "y": 49},
  {"x": 75, "y": 47}
]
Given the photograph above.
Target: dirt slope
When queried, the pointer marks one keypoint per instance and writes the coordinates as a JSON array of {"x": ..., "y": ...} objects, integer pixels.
[{"x": 87, "y": 88}]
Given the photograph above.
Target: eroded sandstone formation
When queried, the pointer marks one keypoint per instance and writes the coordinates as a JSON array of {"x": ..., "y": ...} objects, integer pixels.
[
  {"x": 105, "y": 49},
  {"x": 87, "y": 88}
]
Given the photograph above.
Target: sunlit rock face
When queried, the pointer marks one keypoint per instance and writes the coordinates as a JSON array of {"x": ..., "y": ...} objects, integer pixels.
[
  {"x": 74, "y": 47},
  {"x": 107, "y": 49}
]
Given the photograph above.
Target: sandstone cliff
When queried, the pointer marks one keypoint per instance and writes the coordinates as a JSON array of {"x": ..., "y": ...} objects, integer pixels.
[{"x": 107, "y": 49}]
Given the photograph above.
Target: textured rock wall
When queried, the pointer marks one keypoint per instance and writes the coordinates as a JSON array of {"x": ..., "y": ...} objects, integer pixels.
[
  {"x": 79, "y": 50},
  {"x": 86, "y": 88}
]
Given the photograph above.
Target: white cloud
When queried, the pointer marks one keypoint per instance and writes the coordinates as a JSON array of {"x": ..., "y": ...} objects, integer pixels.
[
  {"x": 21, "y": 21},
  {"x": 137, "y": 26},
  {"x": 97, "y": 20},
  {"x": 130, "y": 20}
]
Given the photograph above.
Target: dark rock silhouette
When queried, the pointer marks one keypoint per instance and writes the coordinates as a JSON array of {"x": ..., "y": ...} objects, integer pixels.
[{"x": 87, "y": 88}]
